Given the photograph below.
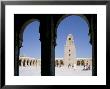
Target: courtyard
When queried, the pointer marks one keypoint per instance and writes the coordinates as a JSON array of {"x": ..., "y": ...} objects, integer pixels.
[{"x": 59, "y": 71}]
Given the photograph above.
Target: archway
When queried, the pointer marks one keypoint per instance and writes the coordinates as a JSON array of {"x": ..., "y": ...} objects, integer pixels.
[
  {"x": 78, "y": 63},
  {"x": 31, "y": 46},
  {"x": 79, "y": 28},
  {"x": 82, "y": 63}
]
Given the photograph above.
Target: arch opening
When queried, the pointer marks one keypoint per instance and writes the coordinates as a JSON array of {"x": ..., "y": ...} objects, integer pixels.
[
  {"x": 30, "y": 49},
  {"x": 78, "y": 27}
]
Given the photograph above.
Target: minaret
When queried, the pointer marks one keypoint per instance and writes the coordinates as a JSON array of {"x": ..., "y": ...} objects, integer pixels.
[{"x": 69, "y": 51}]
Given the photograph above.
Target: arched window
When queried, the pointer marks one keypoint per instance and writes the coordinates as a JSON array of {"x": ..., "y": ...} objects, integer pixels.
[{"x": 69, "y": 38}]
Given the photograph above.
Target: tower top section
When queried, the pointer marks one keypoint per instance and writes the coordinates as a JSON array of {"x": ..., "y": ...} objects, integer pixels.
[{"x": 69, "y": 39}]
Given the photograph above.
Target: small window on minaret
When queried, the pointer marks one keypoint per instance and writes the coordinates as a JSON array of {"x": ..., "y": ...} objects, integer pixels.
[
  {"x": 69, "y": 50},
  {"x": 69, "y": 54},
  {"x": 69, "y": 38}
]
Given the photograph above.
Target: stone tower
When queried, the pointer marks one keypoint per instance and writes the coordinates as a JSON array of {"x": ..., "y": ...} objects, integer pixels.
[{"x": 69, "y": 51}]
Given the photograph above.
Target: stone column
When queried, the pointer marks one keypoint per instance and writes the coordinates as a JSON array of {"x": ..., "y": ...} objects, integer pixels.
[
  {"x": 18, "y": 44},
  {"x": 25, "y": 62},
  {"x": 47, "y": 47},
  {"x": 22, "y": 63},
  {"x": 93, "y": 29},
  {"x": 36, "y": 63}
]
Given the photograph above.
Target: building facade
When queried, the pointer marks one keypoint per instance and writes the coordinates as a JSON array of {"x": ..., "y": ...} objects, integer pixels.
[
  {"x": 59, "y": 62},
  {"x": 28, "y": 61}
]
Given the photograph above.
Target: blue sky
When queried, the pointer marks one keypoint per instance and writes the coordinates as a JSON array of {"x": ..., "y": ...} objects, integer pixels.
[
  {"x": 74, "y": 25},
  {"x": 31, "y": 43}
]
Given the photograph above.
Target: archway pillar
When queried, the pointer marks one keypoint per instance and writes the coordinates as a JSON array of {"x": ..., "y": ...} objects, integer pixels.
[
  {"x": 47, "y": 46},
  {"x": 94, "y": 44},
  {"x": 17, "y": 43},
  {"x": 16, "y": 61},
  {"x": 92, "y": 19}
]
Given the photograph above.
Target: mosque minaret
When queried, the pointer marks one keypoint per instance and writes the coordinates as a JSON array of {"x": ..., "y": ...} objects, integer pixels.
[{"x": 69, "y": 51}]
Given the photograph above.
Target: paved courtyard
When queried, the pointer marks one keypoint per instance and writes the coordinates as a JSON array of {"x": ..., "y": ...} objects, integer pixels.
[{"x": 59, "y": 71}]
